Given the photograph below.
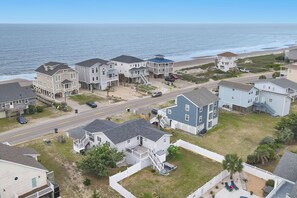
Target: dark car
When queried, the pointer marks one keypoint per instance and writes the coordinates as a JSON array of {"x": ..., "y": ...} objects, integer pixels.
[
  {"x": 156, "y": 94},
  {"x": 22, "y": 120},
  {"x": 174, "y": 76},
  {"x": 169, "y": 79},
  {"x": 92, "y": 104},
  {"x": 155, "y": 111}
]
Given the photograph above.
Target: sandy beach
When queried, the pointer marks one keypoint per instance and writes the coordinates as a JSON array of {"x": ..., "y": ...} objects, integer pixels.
[{"x": 208, "y": 59}]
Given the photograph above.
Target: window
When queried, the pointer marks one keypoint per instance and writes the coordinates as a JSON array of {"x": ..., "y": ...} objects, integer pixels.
[
  {"x": 214, "y": 113},
  {"x": 96, "y": 70},
  {"x": 73, "y": 76},
  {"x": 270, "y": 100},
  {"x": 200, "y": 109},
  {"x": 137, "y": 137},
  {"x": 187, "y": 117},
  {"x": 110, "y": 66},
  {"x": 210, "y": 107},
  {"x": 97, "y": 78},
  {"x": 233, "y": 89},
  {"x": 215, "y": 104},
  {"x": 210, "y": 124},
  {"x": 128, "y": 141},
  {"x": 257, "y": 93},
  {"x": 169, "y": 111},
  {"x": 26, "y": 101},
  {"x": 187, "y": 107},
  {"x": 92, "y": 70},
  {"x": 164, "y": 140},
  {"x": 58, "y": 77},
  {"x": 200, "y": 118},
  {"x": 93, "y": 79},
  {"x": 210, "y": 116},
  {"x": 98, "y": 139},
  {"x": 34, "y": 182},
  {"x": 103, "y": 71}
]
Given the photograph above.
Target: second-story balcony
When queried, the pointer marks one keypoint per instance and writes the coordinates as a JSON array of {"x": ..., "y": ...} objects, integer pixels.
[{"x": 140, "y": 152}]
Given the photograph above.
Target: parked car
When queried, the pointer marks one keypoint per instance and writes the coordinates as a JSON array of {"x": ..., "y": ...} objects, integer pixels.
[
  {"x": 156, "y": 93},
  {"x": 244, "y": 70},
  {"x": 91, "y": 104},
  {"x": 169, "y": 79},
  {"x": 155, "y": 111},
  {"x": 22, "y": 120},
  {"x": 174, "y": 76}
]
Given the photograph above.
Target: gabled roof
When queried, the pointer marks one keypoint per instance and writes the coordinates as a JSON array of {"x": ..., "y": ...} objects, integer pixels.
[
  {"x": 99, "y": 126},
  {"x": 76, "y": 133},
  {"x": 127, "y": 59},
  {"x": 282, "y": 82},
  {"x": 66, "y": 81},
  {"x": 56, "y": 67},
  {"x": 293, "y": 193},
  {"x": 18, "y": 155},
  {"x": 235, "y": 85},
  {"x": 287, "y": 167},
  {"x": 201, "y": 97},
  {"x": 160, "y": 59},
  {"x": 228, "y": 54},
  {"x": 91, "y": 62},
  {"x": 118, "y": 133},
  {"x": 13, "y": 91}
]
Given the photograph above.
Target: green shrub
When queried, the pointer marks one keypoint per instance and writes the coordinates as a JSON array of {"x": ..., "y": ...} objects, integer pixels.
[
  {"x": 268, "y": 140},
  {"x": 276, "y": 74},
  {"x": 269, "y": 182},
  {"x": 252, "y": 159},
  {"x": 31, "y": 109},
  {"x": 39, "y": 109},
  {"x": 87, "y": 182}
]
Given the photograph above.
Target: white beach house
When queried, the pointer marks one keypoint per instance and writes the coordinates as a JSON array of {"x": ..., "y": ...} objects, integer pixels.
[
  {"x": 160, "y": 66},
  {"x": 226, "y": 61}
]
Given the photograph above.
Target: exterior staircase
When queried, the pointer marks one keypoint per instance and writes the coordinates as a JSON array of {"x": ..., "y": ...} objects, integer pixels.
[
  {"x": 143, "y": 78},
  {"x": 264, "y": 107},
  {"x": 81, "y": 144},
  {"x": 163, "y": 122},
  {"x": 156, "y": 162}
]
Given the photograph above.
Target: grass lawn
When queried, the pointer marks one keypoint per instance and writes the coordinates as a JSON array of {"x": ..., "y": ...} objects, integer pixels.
[
  {"x": 235, "y": 133},
  {"x": 84, "y": 98},
  {"x": 261, "y": 63},
  {"x": 59, "y": 158},
  {"x": 120, "y": 118},
  {"x": 146, "y": 88},
  {"x": 192, "y": 172},
  {"x": 166, "y": 104},
  {"x": 8, "y": 123}
]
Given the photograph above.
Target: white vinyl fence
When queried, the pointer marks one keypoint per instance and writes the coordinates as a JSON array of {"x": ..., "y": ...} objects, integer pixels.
[
  {"x": 213, "y": 182},
  {"x": 113, "y": 180},
  {"x": 258, "y": 172}
]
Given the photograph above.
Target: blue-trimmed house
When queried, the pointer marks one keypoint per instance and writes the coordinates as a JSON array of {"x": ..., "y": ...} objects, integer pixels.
[
  {"x": 160, "y": 66},
  {"x": 195, "y": 112}
]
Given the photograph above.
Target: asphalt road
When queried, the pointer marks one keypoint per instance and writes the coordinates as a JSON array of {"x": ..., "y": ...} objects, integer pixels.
[{"x": 26, "y": 133}]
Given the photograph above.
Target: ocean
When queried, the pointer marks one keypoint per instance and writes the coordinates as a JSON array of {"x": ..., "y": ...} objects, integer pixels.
[{"x": 24, "y": 47}]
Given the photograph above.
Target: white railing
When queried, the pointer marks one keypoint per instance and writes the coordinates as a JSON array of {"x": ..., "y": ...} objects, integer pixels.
[
  {"x": 146, "y": 82},
  {"x": 273, "y": 192},
  {"x": 209, "y": 185},
  {"x": 156, "y": 161},
  {"x": 113, "y": 180}
]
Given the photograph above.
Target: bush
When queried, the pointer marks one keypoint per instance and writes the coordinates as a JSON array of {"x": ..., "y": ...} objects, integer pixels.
[
  {"x": 269, "y": 182},
  {"x": 268, "y": 140},
  {"x": 252, "y": 159},
  {"x": 31, "y": 109},
  {"x": 39, "y": 109},
  {"x": 87, "y": 182},
  {"x": 276, "y": 74},
  {"x": 262, "y": 77}
]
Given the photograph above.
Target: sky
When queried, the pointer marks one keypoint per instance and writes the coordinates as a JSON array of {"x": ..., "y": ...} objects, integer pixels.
[{"x": 148, "y": 11}]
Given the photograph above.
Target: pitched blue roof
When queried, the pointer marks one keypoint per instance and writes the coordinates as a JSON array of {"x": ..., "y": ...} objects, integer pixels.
[{"x": 160, "y": 60}]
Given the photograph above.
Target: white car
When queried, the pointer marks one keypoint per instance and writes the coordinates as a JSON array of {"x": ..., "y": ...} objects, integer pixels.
[{"x": 244, "y": 70}]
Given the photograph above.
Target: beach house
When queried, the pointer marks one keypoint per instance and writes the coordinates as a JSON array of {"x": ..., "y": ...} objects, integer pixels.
[
  {"x": 97, "y": 74},
  {"x": 138, "y": 139},
  {"x": 226, "y": 61},
  {"x": 289, "y": 72},
  {"x": 54, "y": 79},
  {"x": 291, "y": 54},
  {"x": 15, "y": 100},
  {"x": 131, "y": 69},
  {"x": 237, "y": 96},
  {"x": 160, "y": 66},
  {"x": 195, "y": 112},
  {"x": 23, "y": 176}
]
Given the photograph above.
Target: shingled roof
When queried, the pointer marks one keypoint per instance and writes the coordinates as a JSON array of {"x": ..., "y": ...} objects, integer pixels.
[
  {"x": 91, "y": 62},
  {"x": 227, "y": 54},
  {"x": 56, "y": 67},
  {"x": 20, "y": 156},
  {"x": 282, "y": 82},
  {"x": 236, "y": 85},
  {"x": 13, "y": 91},
  {"x": 118, "y": 133},
  {"x": 127, "y": 59},
  {"x": 287, "y": 167},
  {"x": 201, "y": 97}
]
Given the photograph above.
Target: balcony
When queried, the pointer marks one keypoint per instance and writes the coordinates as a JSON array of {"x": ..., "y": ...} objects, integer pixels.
[
  {"x": 140, "y": 152},
  {"x": 38, "y": 192}
]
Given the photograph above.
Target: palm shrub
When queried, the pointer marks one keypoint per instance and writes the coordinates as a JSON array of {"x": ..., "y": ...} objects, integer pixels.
[{"x": 232, "y": 163}]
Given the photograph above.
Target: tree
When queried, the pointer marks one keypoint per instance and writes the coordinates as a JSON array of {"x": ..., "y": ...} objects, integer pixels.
[
  {"x": 149, "y": 114},
  {"x": 98, "y": 160},
  {"x": 232, "y": 163},
  {"x": 275, "y": 74},
  {"x": 289, "y": 122},
  {"x": 159, "y": 117},
  {"x": 285, "y": 135},
  {"x": 264, "y": 153},
  {"x": 262, "y": 77},
  {"x": 172, "y": 150},
  {"x": 108, "y": 89}
]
